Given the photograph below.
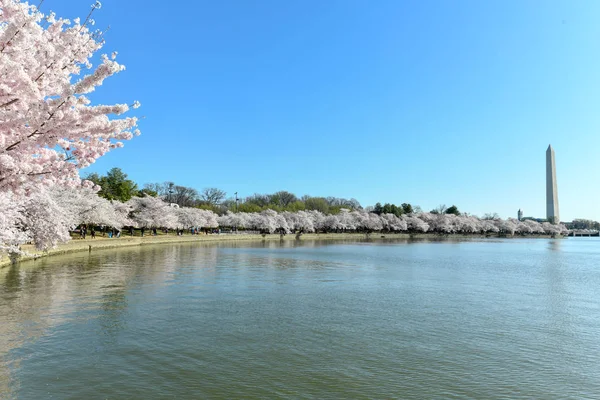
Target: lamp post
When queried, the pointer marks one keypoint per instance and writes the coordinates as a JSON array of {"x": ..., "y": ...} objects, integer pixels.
[
  {"x": 236, "y": 202},
  {"x": 171, "y": 184}
]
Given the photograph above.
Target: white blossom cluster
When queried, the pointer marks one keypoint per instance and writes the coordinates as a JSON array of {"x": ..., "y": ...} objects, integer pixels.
[
  {"x": 47, "y": 216},
  {"x": 362, "y": 221}
]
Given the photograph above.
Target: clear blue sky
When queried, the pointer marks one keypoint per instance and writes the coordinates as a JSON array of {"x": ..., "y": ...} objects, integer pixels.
[{"x": 427, "y": 102}]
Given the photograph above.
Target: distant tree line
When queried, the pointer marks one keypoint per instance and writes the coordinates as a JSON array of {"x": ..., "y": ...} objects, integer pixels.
[
  {"x": 49, "y": 215},
  {"x": 286, "y": 201},
  {"x": 441, "y": 209},
  {"x": 407, "y": 208},
  {"x": 387, "y": 208},
  {"x": 115, "y": 185}
]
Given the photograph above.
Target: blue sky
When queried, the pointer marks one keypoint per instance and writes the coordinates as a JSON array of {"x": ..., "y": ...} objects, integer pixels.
[{"x": 427, "y": 102}]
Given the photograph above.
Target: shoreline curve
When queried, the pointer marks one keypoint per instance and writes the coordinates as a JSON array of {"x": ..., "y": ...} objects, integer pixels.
[{"x": 89, "y": 244}]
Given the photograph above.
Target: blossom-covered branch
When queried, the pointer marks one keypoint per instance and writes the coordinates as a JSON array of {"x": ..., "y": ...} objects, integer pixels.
[{"x": 44, "y": 111}]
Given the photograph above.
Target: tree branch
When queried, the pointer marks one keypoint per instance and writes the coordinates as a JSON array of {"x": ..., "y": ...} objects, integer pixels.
[
  {"x": 37, "y": 131},
  {"x": 8, "y": 103}
]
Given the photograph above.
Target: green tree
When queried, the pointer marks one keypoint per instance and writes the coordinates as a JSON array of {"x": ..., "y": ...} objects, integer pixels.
[
  {"x": 297, "y": 205},
  {"x": 387, "y": 208},
  {"x": 210, "y": 207},
  {"x": 335, "y": 209},
  {"x": 118, "y": 186},
  {"x": 249, "y": 208},
  {"x": 283, "y": 198},
  {"x": 407, "y": 208},
  {"x": 452, "y": 210},
  {"x": 317, "y": 203},
  {"x": 261, "y": 200},
  {"x": 378, "y": 209},
  {"x": 115, "y": 185},
  {"x": 394, "y": 209},
  {"x": 146, "y": 192}
]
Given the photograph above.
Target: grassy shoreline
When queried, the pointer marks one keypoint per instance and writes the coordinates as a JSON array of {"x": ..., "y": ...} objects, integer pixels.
[{"x": 101, "y": 243}]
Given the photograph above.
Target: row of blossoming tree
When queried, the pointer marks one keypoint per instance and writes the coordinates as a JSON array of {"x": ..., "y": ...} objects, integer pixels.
[
  {"x": 270, "y": 221},
  {"x": 47, "y": 217}
]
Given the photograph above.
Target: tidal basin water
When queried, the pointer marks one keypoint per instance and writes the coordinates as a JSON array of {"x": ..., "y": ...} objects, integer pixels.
[{"x": 489, "y": 319}]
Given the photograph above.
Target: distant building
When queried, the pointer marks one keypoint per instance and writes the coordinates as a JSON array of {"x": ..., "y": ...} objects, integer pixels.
[
  {"x": 552, "y": 214},
  {"x": 520, "y": 215}
]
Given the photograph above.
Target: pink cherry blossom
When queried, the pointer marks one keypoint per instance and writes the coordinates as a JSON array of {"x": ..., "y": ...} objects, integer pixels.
[{"x": 48, "y": 129}]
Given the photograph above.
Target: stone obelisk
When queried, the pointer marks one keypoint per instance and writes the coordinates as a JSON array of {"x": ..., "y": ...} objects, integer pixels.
[{"x": 551, "y": 188}]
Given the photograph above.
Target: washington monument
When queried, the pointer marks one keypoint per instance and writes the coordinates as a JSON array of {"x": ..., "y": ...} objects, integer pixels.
[{"x": 551, "y": 188}]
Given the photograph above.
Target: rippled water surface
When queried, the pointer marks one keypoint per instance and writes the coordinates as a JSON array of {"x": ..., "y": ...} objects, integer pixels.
[{"x": 467, "y": 319}]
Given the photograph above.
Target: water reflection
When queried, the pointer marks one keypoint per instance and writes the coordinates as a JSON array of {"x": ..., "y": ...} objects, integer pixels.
[
  {"x": 268, "y": 319},
  {"x": 555, "y": 244},
  {"x": 114, "y": 306}
]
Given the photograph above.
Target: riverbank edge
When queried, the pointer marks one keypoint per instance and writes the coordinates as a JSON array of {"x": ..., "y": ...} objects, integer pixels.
[{"x": 81, "y": 245}]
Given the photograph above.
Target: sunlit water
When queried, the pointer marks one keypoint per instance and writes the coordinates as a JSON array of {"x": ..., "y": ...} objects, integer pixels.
[{"x": 470, "y": 319}]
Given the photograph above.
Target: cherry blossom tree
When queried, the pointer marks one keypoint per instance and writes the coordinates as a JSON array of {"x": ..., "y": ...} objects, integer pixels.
[
  {"x": 304, "y": 222},
  {"x": 466, "y": 224},
  {"x": 270, "y": 221},
  {"x": 317, "y": 218},
  {"x": 48, "y": 128},
  {"x": 443, "y": 223},
  {"x": 346, "y": 219},
  {"x": 152, "y": 212},
  {"x": 372, "y": 222},
  {"x": 210, "y": 219},
  {"x": 187, "y": 218},
  {"x": 12, "y": 223},
  {"x": 522, "y": 228},
  {"x": 47, "y": 221},
  {"x": 393, "y": 223},
  {"x": 415, "y": 224},
  {"x": 488, "y": 226},
  {"x": 551, "y": 229},
  {"x": 87, "y": 208},
  {"x": 196, "y": 218},
  {"x": 359, "y": 219},
  {"x": 122, "y": 211},
  {"x": 299, "y": 221},
  {"x": 331, "y": 223},
  {"x": 262, "y": 222},
  {"x": 506, "y": 226},
  {"x": 233, "y": 220},
  {"x": 535, "y": 226}
]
